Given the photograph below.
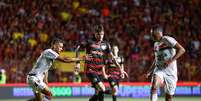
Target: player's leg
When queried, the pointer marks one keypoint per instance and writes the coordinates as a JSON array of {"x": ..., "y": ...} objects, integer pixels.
[
  {"x": 100, "y": 87},
  {"x": 114, "y": 93},
  {"x": 156, "y": 82},
  {"x": 39, "y": 87},
  {"x": 93, "y": 80},
  {"x": 31, "y": 80},
  {"x": 114, "y": 85},
  {"x": 47, "y": 94},
  {"x": 168, "y": 97},
  {"x": 95, "y": 96},
  {"x": 170, "y": 87},
  {"x": 38, "y": 96}
]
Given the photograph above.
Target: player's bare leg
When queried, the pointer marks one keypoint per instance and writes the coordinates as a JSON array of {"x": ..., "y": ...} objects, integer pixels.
[
  {"x": 47, "y": 93},
  {"x": 38, "y": 96},
  {"x": 99, "y": 92},
  {"x": 168, "y": 97},
  {"x": 155, "y": 85},
  {"x": 101, "y": 87},
  {"x": 114, "y": 92}
]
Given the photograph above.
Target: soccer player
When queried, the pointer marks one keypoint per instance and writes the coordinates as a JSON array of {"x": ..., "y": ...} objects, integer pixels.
[
  {"x": 114, "y": 72},
  {"x": 37, "y": 78},
  {"x": 97, "y": 50},
  {"x": 164, "y": 68}
]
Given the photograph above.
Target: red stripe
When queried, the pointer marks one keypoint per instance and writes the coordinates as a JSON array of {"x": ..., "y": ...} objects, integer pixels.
[
  {"x": 97, "y": 53},
  {"x": 93, "y": 66},
  {"x": 87, "y": 83}
]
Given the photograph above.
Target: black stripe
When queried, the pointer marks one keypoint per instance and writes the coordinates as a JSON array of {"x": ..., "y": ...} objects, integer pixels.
[
  {"x": 161, "y": 49},
  {"x": 98, "y": 56},
  {"x": 96, "y": 63}
]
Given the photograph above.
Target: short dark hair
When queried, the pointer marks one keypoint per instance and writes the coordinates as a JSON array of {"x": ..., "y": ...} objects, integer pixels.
[
  {"x": 56, "y": 40},
  {"x": 157, "y": 28},
  {"x": 98, "y": 28}
]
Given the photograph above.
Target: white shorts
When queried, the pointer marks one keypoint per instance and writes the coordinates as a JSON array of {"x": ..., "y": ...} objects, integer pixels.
[
  {"x": 170, "y": 82},
  {"x": 35, "y": 83}
]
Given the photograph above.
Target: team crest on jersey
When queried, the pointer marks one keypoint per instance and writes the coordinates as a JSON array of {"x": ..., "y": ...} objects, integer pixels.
[
  {"x": 103, "y": 46},
  {"x": 95, "y": 80}
]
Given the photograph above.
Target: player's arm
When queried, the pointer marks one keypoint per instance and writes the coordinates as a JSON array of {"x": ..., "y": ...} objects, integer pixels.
[
  {"x": 180, "y": 52},
  {"x": 122, "y": 66},
  {"x": 46, "y": 77},
  {"x": 77, "y": 52},
  {"x": 150, "y": 70},
  {"x": 104, "y": 73},
  {"x": 67, "y": 59}
]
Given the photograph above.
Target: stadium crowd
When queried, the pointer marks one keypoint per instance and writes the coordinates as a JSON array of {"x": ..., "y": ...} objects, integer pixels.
[{"x": 26, "y": 28}]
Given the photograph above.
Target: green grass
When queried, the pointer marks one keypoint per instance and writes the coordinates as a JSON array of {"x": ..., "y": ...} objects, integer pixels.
[{"x": 119, "y": 99}]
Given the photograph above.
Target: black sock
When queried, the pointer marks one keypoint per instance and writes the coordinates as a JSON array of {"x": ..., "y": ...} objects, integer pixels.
[
  {"x": 101, "y": 96},
  {"x": 109, "y": 91},
  {"x": 114, "y": 97},
  {"x": 94, "y": 98}
]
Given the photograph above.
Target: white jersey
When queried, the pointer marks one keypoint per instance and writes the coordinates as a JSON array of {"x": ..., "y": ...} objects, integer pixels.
[
  {"x": 164, "y": 50},
  {"x": 44, "y": 62}
]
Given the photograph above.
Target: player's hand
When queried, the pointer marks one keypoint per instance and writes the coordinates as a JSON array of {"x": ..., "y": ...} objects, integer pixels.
[
  {"x": 105, "y": 76},
  {"x": 148, "y": 75},
  {"x": 123, "y": 74},
  {"x": 87, "y": 57}
]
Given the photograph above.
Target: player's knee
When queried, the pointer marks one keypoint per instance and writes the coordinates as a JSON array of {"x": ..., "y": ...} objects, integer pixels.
[
  {"x": 48, "y": 95},
  {"x": 114, "y": 91},
  {"x": 153, "y": 89},
  {"x": 168, "y": 97},
  {"x": 101, "y": 86},
  {"x": 102, "y": 89}
]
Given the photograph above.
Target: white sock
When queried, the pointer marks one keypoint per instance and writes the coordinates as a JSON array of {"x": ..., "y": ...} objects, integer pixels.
[{"x": 154, "y": 97}]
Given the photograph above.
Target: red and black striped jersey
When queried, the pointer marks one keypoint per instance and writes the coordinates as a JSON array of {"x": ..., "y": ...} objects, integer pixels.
[
  {"x": 112, "y": 69},
  {"x": 99, "y": 51}
]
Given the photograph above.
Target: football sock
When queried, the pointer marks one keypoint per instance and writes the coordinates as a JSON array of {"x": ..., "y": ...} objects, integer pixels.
[
  {"x": 154, "y": 97},
  {"x": 114, "y": 97}
]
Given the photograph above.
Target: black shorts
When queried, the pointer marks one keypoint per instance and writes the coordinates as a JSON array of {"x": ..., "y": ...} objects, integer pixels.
[
  {"x": 113, "y": 82},
  {"x": 94, "y": 79}
]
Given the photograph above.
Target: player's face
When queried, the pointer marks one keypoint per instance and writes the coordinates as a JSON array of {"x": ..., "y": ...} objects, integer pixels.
[
  {"x": 115, "y": 49},
  {"x": 156, "y": 36},
  {"x": 58, "y": 47},
  {"x": 99, "y": 35}
]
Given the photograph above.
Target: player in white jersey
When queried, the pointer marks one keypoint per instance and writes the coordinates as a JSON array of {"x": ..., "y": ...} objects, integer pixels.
[
  {"x": 37, "y": 77},
  {"x": 164, "y": 68}
]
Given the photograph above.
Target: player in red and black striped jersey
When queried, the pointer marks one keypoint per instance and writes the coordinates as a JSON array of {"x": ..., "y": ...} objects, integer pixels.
[
  {"x": 97, "y": 50},
  {"x": 114, "y": 73}
]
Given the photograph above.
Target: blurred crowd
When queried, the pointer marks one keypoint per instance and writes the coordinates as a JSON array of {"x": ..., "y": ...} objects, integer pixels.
[{"x": 28, "y": 26}]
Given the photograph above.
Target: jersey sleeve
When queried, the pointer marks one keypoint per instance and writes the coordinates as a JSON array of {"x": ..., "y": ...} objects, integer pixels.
[
  {"x": 50, "y": 54},
  {"x": 122, "y": 60},
  {"x": 108, "y": 49},
  {"x": 170, "y": 41}
]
